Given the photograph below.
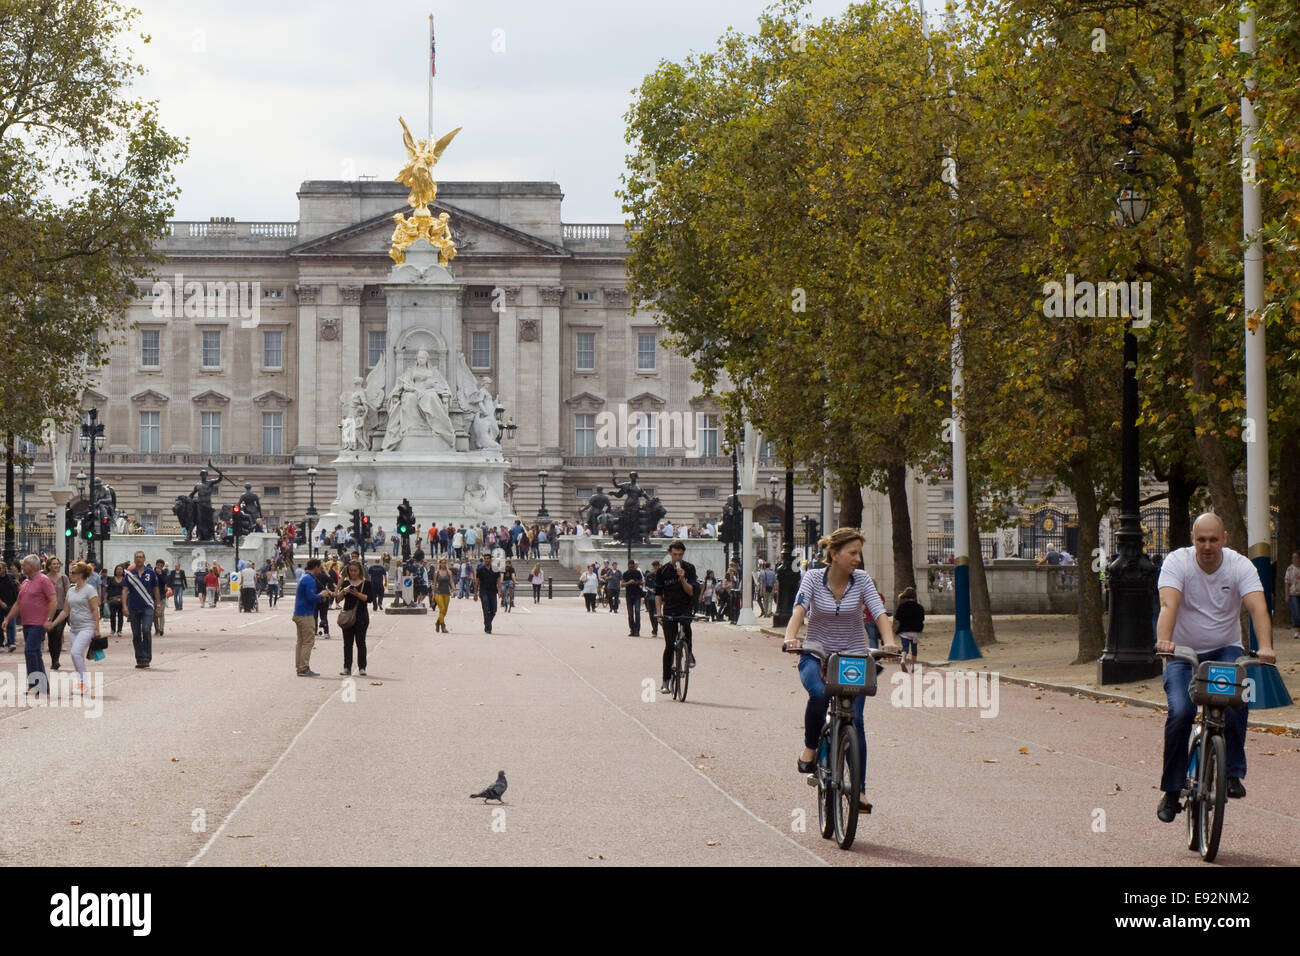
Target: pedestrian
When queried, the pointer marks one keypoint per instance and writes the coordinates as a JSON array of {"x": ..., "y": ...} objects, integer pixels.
[
  {"x": 354, "y": 619},
  {"x": 81, "y": 614},
  {"x": 272, "y": 587},
  {"x": 722, "y": 593},
  {"x": 377, "y": 582},
  {"x": 590, "y": 582},
  {"x": 766, "y": 586},
  {"x": 458, "y": 544},
  {"x": 632, "y": 580},
  {"x": 651, "y": 585},
  {"x": 9, "y": 598},
  {"x": 248, "y": 588},
  {"x": 54, "y": 636},
  {"x": 709, "y": 595},
  {"x": 821, "y": 598},
  {"x": 35, "y": 608},
  {"x": 115, "y": 589},
  {"x": 442, "y": 581},
  {"x": 211, "y": 586},
  {"x": 909, "y": 619},
  {"x": 307, "y": 601},
  {"x": 160, "y": 569},
  {"x": 613, "y": 587},
  {"x": 1293, "y": 593},
  {"x": 487, "y": 588},
  {"x": 201, "y": 583},
  {"x": 178, "y": 585},
  {"x": 535, "y": 578},
  {"x": 1203, "y": 589},
  {"x": 466, "y": 581},
  {"x": 142, "y": 596}
]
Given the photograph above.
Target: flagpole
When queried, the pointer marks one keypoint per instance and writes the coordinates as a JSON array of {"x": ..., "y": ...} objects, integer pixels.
[{"x": 432, "y": 67}]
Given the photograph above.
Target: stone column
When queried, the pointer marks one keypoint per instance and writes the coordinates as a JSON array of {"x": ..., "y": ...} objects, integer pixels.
[
  {"x": 509, "y": 372},
  {"x": 554, "y": 416},
  {"x": 308, "y": 295},
  {"x": 330, "y": 380}
]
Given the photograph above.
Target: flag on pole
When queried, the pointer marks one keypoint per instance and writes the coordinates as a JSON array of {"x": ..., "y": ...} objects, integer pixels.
[{"x": 433, "y": 66}]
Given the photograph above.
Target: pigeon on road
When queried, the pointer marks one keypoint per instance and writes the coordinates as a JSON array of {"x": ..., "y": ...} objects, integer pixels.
[{"x": 493, "y": 792}]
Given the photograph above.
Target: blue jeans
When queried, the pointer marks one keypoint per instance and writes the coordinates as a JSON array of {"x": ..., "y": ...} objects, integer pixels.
[
  {"x": 179, "y": 595},
  {"x": 1293, "y": 602},
  {"x": 873, "y": 635},
  {"x": 466, "y": 588},
  {"x": 489, "y": 600},
  {"x": 13, "y": 633},
  {"x": 634, "y": 615},
  {"x": 33, "y": 645},
  {"x": 1178, "y": 725},
  {"x": 142, "y": 635},
  {"x": 814, "y": 715}
]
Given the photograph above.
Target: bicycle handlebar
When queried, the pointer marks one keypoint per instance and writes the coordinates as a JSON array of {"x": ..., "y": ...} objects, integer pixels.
[
  {"x": 1183, "y": 652},
  {"x": 819, "y": 652}
]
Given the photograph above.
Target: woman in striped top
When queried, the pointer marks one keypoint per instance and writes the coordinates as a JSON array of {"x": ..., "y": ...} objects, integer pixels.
[{"x": 832, "y": 598}]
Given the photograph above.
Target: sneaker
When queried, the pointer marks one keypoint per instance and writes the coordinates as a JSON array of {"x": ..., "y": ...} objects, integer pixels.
[
  {"x": 1168, "y": 808},
  {"x": 664, "y": 688},
  {"x": 361, "y": 673},
  {"x": 308, "y": 673},
  {"x": 1236, "y": 789},
  {"x": 692, "y": 660},
  {"x": 345, "y": 673}
]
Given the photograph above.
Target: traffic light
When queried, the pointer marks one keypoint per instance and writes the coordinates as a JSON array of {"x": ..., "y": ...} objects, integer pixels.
[
  {"x": 236, "y": 521},
  {"x": 88, "y": 527},
  {"x": 365, "y": 527},
  {"x": 356, "y": 524},
  {"x": 401, "y": 525},
  {"x": 69, "y": 524},
  {"x": 105, "y": 528}
]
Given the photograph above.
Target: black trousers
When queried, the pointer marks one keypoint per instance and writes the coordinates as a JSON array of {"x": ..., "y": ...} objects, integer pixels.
[
  {"x": 355, "y": 633},
  {"x": 591, "y": 601},
  {"x": 634, "y": 615},
  {"x": 55, "y": 641},
  {"x": 116, "y": 618}
]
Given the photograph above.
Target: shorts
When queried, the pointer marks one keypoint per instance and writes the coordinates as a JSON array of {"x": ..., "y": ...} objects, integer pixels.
[{"x": 910, "y": 640}]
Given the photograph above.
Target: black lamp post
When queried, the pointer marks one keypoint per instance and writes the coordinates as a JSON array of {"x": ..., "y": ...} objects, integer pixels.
[
  {"x": 1130, "y": 643},
  {"x": 508, "y": 427},
  {"x": 542, "y": 514},
  {"x": 81, "y": 496},
  {"x": 92, "y": 439},
  {"x": 25, "y": 452},
  {"x": 311, "y": 512},
  {"x": 787, "y": 578}
]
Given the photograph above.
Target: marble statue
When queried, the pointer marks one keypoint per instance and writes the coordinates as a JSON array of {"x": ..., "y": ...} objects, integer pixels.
[
  {"x": 480, "y": 500},
  {"x": 356, "y": 409},
  {"x": 418, "y": 403}
]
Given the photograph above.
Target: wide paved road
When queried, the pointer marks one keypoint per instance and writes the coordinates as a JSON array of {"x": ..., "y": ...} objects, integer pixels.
[{"x": 220, "y": 754}]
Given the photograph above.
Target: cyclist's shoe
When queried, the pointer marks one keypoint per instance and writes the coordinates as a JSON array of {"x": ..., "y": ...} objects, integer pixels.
[
  {"x": 692, "y": 660},
  {"x": 664, "y": 688},
  {"x": 805, "y": 766},
  {"x": 1168, "y": 808},
  {"x": 863, "y": 806},
  {"x": 1236, "y": 789}
]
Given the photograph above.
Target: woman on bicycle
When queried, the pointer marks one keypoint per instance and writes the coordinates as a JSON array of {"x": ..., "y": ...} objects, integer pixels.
[{"x": 831, "y": 598}]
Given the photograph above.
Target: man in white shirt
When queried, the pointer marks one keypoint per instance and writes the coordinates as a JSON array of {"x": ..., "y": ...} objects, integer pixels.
[
  {"x": 1202, "y": 591},
  {"x": 248, "y": 588},
  {"x": 668, "y": 530}
]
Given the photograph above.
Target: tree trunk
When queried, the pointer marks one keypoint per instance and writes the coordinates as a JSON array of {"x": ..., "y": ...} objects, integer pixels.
[
  {"x": 850, "y": 503},
  {"x": 900, "y": 519},
  {"x": 1181, "y": 489},
  {"x": 1092, "y": 636},
  {"x": 1288, "y": 521},
  {"x": 981, "y": 608}
]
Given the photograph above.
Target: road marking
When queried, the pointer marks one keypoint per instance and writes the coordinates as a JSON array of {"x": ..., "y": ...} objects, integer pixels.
[
  {"x": 655, "y": 737},
  {"x": 257, "y": 786}
]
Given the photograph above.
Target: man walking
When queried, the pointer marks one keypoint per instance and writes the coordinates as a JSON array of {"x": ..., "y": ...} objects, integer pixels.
[
  {"x": 160, "y": 569},
  {"x": 487, "y": 588},
  {"x": 178, "y": 584},
  {"x": 142, "y": 596},
  {"x": 651, "y": 585},
  {"x": 307, "y": 599},
  {"x": 377, "y": 584},
  {"x": 766, "y": 583},
  {"x": 34, "y": 608},
  {"x": 1202, "y": 591},
  {"x": 632, "y": 579}
]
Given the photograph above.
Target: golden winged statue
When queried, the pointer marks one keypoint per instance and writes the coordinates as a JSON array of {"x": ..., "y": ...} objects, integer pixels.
[{"x": 417, "y": 176}]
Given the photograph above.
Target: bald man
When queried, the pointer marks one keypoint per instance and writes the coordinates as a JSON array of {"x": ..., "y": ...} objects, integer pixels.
[{"x": 1202, "y": 591}]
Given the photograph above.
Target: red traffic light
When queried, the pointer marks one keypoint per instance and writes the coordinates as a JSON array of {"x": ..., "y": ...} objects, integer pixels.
[{"x": 235, "y": 509}]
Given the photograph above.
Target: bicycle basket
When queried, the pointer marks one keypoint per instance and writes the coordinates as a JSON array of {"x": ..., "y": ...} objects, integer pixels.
[
  {"x": 848, "y": 676},
  {"x": 1219, "y": 684}
]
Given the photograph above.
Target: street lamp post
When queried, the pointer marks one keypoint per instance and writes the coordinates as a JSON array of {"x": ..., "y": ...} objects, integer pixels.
[
  {"x": 81, "y": 495},
  {"x": 25, "y": 450},
  {"x": 542, "y": 514},
  {"x": 311, "y": 512},
  {"x": 1130, "y": 644},
  {"x": 92, "y": 439}
]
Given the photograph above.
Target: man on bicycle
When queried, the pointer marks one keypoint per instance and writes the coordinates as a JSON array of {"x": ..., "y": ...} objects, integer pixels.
[
  {"x": 1202, "y": 591},
  {"x": 674, "y": 597}
]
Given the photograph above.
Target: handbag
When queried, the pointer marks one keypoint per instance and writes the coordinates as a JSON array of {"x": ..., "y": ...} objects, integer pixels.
[
  {"x": 348, "y": 616},
  {"x": 98, "y": 644}
]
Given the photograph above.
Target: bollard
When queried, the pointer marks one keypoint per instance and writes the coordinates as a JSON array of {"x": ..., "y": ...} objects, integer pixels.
[{"x": 550, "y": 589}]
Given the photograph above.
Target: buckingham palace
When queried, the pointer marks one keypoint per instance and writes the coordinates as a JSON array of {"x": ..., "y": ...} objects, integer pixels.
[{"x": 241, "y": 345}]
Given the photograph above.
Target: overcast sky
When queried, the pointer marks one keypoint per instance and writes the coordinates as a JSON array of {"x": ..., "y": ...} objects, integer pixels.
[{"x": 275, "y": 92}]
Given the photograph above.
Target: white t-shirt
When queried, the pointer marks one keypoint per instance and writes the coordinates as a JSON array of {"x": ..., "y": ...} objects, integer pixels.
[
  {"x": 1292, "y": 581},
  {"x": 248, "y": 578},
  {"x": 1210, "y": 610}
]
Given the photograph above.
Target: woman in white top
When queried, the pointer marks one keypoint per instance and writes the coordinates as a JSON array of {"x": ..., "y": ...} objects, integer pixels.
[
  {"x": 81, "y": 611},
  {"x": 590, "y": 581},
  {"x": 535, "y": 579},
  {"x": 272, "y": 586}
]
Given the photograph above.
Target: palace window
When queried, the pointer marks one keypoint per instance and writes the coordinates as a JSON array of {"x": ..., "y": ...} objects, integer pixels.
[
  {"x": 210, "y": 433},
  {"x": 586, "y": 351},
  {"x": 584, "y": 434}
]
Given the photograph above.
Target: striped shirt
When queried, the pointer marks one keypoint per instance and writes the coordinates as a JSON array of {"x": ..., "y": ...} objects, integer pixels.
[{"x": 837, "y": 625}]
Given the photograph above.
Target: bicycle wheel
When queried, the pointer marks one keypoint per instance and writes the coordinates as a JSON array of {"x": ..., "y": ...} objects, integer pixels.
[
  {"x": 677, "y": 670},
  {"x": 1191, "y": 806},
  {"x": 684, "y": 662},
  {"x": 825, "y": 792},
  {"x": 1214, "y": 794},
  {"x": 847, "y": 786}
]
